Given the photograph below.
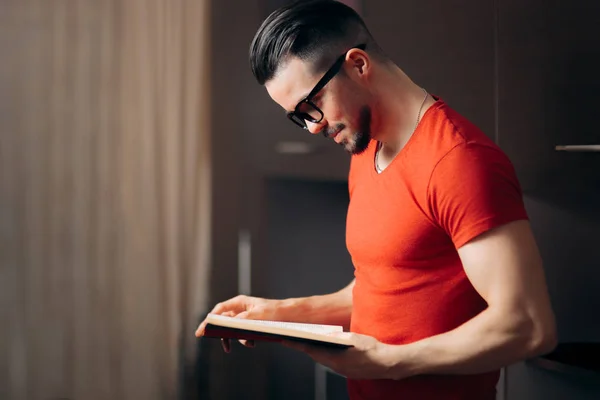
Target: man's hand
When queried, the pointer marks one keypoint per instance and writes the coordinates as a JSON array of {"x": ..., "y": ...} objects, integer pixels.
[
  {"x": 330, "y": 309},
  {"x": 244, "y": 307},
  {"x": 368, "y": 359}
]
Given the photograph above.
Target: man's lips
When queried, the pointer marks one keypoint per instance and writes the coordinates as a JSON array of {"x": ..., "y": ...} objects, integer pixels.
[{"x": 335, "y": 135}]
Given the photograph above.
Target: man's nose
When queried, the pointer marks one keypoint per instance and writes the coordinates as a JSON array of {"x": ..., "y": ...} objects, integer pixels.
[{"x": 315, "y": 127}]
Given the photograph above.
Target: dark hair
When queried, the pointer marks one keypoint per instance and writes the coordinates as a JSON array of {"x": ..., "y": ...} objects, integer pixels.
[{"x": 315, "y": 30}]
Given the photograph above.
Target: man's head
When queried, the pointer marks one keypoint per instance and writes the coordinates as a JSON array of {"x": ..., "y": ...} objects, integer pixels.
[{"x": 315, "y": 59}]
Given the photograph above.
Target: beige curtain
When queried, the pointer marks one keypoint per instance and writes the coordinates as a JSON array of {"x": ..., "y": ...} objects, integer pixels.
[{"x": 104, "y": 196}]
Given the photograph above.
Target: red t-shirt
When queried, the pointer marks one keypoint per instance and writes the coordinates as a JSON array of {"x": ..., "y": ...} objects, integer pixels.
[{"x": 449, "y": 184}]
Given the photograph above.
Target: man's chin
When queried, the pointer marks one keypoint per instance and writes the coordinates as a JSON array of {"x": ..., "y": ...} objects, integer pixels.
[
  {"x": 352, "y": 149},
  {"x": 356, "y": 151},
  {"x": 357, "y": 144}
]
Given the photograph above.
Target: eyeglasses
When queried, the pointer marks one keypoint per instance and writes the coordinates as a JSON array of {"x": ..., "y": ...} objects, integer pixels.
[{"x": 306, "y": 110}]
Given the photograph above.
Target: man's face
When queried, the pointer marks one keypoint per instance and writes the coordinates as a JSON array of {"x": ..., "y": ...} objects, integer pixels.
[{"x": 346, "y": 113}]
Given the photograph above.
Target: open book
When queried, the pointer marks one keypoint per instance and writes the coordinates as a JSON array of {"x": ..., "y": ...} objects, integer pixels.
[{"x": 219, "y": 326}]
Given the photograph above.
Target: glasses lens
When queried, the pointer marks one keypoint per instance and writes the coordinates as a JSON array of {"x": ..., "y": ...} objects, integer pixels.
[{"x": 307, "y": 111}]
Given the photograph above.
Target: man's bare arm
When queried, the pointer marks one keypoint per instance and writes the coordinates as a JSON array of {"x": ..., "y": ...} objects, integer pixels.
[
  {"x": 329, "y": 309},
  {"x": 505, "y": 267}
]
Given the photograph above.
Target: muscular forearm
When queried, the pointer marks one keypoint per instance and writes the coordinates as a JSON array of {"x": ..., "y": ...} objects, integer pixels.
[
  {"x": 485, "y": 343},
  {"x": 330, "y": 309}
]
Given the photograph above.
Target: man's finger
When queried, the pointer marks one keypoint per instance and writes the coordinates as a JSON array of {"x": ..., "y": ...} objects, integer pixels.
[
  {"x": 247, "y": 343},
  {"x": 200, "y": 330},
  {"x": 226, "y": 345},
  {"x": 202, "y": 326},
  {"x": 236, "y": 305},
  {"x": 219, "y": 308}
]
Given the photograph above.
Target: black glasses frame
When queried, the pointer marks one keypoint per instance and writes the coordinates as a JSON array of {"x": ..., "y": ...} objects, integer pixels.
[{"x": 298, "y": 117}]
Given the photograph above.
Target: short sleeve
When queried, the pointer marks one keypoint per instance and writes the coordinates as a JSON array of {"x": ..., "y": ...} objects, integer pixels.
[{"x": 472, "y": 189}]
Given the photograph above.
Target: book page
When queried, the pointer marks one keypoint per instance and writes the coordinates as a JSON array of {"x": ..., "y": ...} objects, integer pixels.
[{"x": 314, "y": 328}]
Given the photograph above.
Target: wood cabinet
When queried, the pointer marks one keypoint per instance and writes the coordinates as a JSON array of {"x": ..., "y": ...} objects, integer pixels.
[
  {"x": 548, "y": 63},
  {"x": 445, "y": 46}
]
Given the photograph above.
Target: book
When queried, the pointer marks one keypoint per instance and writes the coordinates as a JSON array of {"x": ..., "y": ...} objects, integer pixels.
[{"x": 220, "y": 326}]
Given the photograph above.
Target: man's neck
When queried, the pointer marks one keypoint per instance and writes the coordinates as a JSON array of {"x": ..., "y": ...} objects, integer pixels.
[{"x": 401, "y": 105}]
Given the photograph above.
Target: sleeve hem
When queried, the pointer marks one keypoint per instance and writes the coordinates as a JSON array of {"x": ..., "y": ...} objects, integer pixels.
[{"x": 485, "y": 225}]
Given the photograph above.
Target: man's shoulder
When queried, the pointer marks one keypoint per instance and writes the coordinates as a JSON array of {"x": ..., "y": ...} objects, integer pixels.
[{"x": 443, "y": 130}]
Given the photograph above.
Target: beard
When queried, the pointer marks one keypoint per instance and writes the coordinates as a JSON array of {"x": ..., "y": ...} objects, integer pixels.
[{"x": 359, "y": 141}]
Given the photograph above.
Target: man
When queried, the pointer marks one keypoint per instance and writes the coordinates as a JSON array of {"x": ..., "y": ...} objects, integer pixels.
[{"x": 449, "y": 285}]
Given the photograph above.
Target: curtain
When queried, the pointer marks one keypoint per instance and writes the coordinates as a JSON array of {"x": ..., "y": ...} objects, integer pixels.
[{"x": 104, "y": 196}]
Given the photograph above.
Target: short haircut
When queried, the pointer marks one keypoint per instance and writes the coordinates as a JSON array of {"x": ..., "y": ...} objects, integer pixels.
[{"x": 312, "y": 30}]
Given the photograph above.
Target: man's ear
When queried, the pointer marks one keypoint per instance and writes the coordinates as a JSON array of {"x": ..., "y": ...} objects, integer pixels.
[{"x": 358, "y": 62}]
